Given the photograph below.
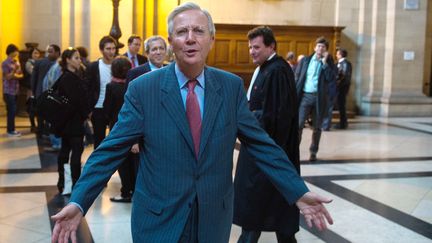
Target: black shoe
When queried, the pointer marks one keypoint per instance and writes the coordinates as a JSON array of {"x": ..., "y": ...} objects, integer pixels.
[
  {"x": 313, "y": 157},
  {"x": 338, "y": 126},
  {"x": 121, "y": 199}
]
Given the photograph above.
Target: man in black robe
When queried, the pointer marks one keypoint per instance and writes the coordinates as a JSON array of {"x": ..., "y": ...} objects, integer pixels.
[{"x": 258, "y": 205}]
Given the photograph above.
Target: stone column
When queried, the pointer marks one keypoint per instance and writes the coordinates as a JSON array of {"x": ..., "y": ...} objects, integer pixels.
[{"x": 402, "y": 77}]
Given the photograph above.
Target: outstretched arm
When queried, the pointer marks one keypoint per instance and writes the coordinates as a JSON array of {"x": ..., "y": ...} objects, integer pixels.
[
  {"x": 312, "y": 207},
  {"x": 66, "y": 224}
]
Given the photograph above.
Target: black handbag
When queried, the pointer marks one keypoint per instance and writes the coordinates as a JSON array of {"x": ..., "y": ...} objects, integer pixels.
[{"x": 54, "y": 108}]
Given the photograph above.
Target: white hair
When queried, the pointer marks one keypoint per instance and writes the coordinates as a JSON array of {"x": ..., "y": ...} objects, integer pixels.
[{"x": 189, "y": 6}]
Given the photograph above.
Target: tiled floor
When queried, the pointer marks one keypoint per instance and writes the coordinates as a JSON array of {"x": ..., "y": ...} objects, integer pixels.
[{"x": 378, "y": 172}]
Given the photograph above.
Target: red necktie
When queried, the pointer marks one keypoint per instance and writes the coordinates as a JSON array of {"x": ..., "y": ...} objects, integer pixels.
[
  {"x": 193, "y": 114},
  {"x": 133, "y": 61}
]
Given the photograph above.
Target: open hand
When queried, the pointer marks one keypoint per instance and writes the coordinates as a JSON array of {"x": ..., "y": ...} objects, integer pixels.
[
  {"x": 66, "y": 224},
  {"x": 312, "y": 208}
]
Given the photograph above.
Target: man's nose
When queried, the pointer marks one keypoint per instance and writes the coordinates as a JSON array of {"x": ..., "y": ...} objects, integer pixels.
[{"x": 190, "y": 36}]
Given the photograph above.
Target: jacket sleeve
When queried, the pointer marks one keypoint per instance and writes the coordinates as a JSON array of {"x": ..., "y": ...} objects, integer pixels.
[{"x": 269, "y": 157}]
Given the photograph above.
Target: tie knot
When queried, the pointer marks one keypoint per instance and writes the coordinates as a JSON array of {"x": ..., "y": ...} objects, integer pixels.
[{"x": 191, "y": 84}]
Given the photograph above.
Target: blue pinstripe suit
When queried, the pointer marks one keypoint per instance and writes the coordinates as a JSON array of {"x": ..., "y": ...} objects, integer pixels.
[{"x": 170, "y": 177}]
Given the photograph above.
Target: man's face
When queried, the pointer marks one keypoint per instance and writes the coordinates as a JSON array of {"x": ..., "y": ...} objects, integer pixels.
[
  {"x": 191, "y": 40},
  {"x": 320, "y": 49},
  {"x": 258, "y": 51},
  {"x": 338, "y": 55},
  {"x": 157, "y": 52},
  {"x": 108, "y": 52},
  {"x": 135, "y": 46},
  {"x": 52, "y": 54}
]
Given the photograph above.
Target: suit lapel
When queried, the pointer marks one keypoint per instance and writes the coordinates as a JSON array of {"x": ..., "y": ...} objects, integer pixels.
[
  {"x": 212, "y": 104},
  {"x": 172, "y": 101}
]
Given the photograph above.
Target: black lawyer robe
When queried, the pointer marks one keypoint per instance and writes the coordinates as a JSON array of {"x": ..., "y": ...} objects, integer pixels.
[{"x": 257, "y": 203}]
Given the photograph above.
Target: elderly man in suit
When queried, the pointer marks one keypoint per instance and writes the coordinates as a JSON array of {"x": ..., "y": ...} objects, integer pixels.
[
  {"x": 189, "y": 116},
  {"x": 155, "y": 48},
  {"x": 134, "y": 46}
]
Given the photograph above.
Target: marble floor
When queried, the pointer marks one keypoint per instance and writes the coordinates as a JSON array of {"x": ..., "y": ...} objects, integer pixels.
[{"x": 378, "y": 172}]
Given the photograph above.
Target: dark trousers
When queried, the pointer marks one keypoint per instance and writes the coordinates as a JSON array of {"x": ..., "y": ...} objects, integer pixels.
[
  {"x": 75, "y": 147},
  {"x": 100, "y": 123},
  {"x": 341, "y": 101},
  {"x": 190, "y": 231},
  {"x": 251, "y": 236},
  {"x": 128, "y": 171},
  {"x": 11, "y": 109},
  {"x": 308, "y": 106}
]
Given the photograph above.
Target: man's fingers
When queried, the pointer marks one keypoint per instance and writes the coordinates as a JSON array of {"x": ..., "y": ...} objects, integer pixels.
[
  {"x": 55, "y": 234},
  {"x": 73, "y": 237},
  {"x": 61, "y": 236},
  {"x": 327, "y": 215},
  {"x": 66, "y": 236}
]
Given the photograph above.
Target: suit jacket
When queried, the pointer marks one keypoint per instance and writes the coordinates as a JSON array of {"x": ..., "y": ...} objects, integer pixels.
[
  {"x": 326, "y": 77},
  {"x": 113, "y": 101},
  {"x": 138, "y": 71},
  {"x": 41, "y": 68},
  {"x": 141, "y": 59},
  {"x": 171, "y": 177},
  {"x": 344, "y": 73},
  {"x": 258, "y": 205},
  {"x": 92, "y": 80}
]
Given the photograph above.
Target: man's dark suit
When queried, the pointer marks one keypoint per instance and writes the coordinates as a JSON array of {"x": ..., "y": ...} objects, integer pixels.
[
  {"x": 141, "y": 59},
  {"x": 170, "y": 176},
  {"x": 258, "y": 205},
  {"x": 98, "y": 118},
  {"x": 138, "y": 71},
  {"x": 343, "y": 82},
  {"x": 41, "y": 68}
]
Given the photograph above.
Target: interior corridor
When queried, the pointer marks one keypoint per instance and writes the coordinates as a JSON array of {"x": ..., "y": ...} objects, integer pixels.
[{"x": 378, "y": 172}]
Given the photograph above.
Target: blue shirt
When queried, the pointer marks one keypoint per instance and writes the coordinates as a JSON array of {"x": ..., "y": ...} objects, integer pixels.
[
  {"x": 312, "y": 75},
  {"x": 199, "y": 88}
]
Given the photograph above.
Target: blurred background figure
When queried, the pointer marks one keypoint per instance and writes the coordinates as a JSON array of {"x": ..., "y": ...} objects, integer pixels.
[
  {"x": 12, "y": 72},
  {"x": 343, "y": 82},
  {"x": 72, "y": 86},
  {"x": 114, "y": 94},
  {"x": 291, "y": 60},
  {"x": 134, "y": 46},
  {"x": 31, "y": 101}
]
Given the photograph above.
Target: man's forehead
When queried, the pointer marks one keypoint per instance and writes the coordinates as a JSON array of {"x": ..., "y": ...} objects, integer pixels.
[
  {"x": 193, "y": 15},
  {"x": 156, "y": 42}
]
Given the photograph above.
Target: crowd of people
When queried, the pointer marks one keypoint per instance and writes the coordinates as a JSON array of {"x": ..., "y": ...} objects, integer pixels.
[{"x": 174, "y": 126}]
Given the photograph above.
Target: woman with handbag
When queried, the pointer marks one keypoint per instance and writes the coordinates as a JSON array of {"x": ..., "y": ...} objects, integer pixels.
[{"x": 71, "y": 85}]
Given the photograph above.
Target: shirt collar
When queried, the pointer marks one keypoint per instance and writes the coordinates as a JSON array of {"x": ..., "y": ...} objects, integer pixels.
[
  {"x": 271, "y": 56},
  {"x": 182, "y": 79},
  {"x": 130, "y": 55},
  {"x": 153, "y": 67},
  {"x": 341, "y": 60}
]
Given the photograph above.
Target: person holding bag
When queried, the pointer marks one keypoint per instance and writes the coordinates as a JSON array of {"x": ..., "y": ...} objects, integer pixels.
[{"x": 71, "y": 86}]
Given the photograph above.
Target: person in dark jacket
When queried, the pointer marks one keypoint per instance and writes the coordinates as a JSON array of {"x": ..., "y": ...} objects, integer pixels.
[
  {"x": 258, "y": 205},
  {"x": 72, "y": 134},
  {"x": 343, "y": 82},
  {"x": 115, "y": 91},
  {"x": 313, "y": 76}
]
